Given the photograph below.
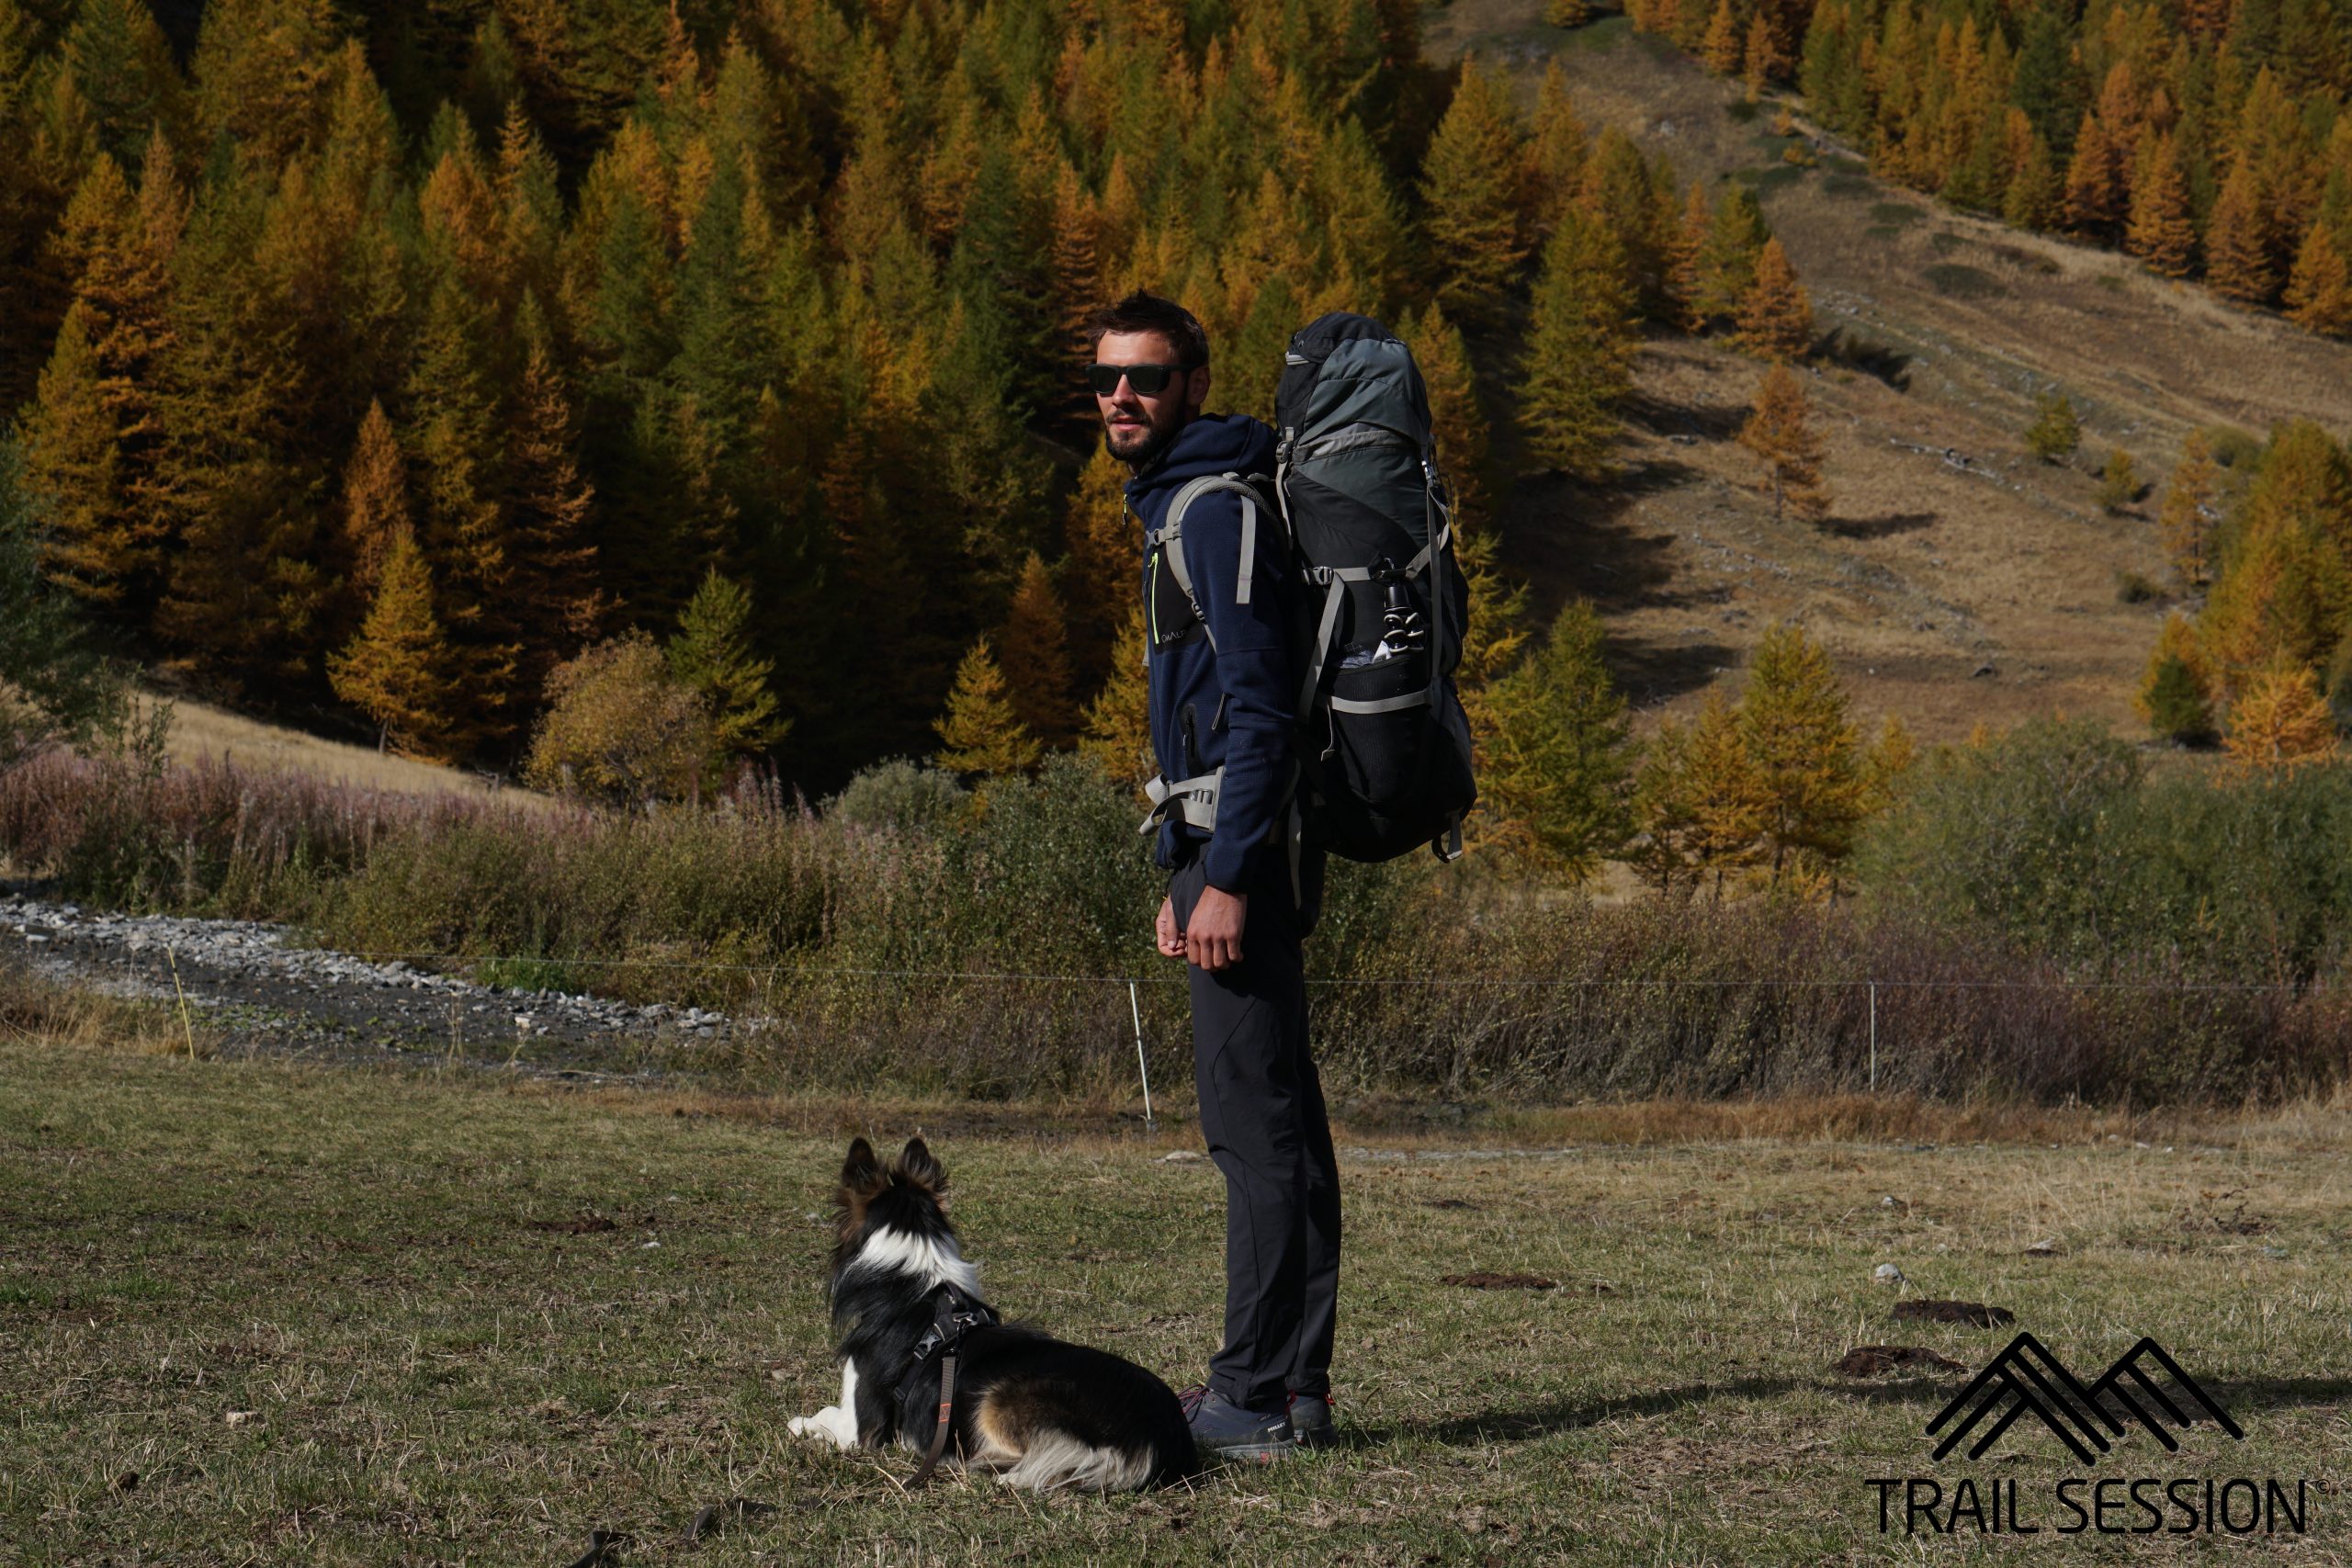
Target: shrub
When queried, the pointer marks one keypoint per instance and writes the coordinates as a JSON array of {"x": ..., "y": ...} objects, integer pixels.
[
  {"x": 2056, "y": 432},
  {"x": 621, "y": 727},
  {"x": 900, "y": 797}
]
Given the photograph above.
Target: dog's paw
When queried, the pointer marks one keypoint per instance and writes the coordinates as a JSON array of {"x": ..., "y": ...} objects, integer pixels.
[{"x": 800, "y": 1425}]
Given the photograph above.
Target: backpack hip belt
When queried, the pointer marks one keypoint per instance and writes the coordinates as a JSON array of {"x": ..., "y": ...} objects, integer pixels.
[{"x": 1189, "y": 801}]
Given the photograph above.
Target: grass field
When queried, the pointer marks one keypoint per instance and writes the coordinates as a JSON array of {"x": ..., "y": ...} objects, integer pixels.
[{"x": 251, "y": 1314}]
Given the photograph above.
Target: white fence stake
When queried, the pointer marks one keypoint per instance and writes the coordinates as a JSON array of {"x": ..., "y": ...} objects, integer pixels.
[
  {"x": 1874, "y": 1036},
  {"x": 1136, "y": 1009}
]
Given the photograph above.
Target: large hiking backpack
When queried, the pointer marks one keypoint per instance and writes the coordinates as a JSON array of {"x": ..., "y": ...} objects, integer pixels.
[{"x": 1384, "y": 748}]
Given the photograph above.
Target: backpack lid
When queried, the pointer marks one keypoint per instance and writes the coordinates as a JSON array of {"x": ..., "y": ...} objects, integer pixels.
[{"x": 1344, "y": 371}]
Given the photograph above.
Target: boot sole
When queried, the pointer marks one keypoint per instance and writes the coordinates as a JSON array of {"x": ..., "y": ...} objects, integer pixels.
[{"x": 1253, "y": 1453}]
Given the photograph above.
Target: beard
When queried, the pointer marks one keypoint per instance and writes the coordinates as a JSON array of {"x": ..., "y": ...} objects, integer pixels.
[{"x": 1137, "y": 449}]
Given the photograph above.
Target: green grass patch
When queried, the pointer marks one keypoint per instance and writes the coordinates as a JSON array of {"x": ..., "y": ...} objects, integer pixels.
[
  {"x": 418, "y": 1371},
  {"x": 1944, "y": 243},
  {"x": 2110, "y": 281},
  {"x": 1896, "y": 214},
  {"x": 1848, "y": 187},
  {"x": 1742, "y": 110},
  {"x": 1955, "y": 280},
  {"x": 1839, "y": 162}
]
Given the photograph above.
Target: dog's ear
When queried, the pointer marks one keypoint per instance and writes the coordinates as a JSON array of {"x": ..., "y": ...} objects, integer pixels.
[
  {"x": 862, "y": 1172},
  {"x": 915, "y": 1164}
]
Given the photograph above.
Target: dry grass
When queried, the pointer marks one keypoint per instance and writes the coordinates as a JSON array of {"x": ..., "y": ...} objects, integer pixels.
[
  {"x": 351, "y": 1261},
  {"x": 201, "y": 731}
]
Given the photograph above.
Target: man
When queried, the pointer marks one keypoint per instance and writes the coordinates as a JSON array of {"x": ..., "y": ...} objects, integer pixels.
[{"x": 1222, "y": 696}]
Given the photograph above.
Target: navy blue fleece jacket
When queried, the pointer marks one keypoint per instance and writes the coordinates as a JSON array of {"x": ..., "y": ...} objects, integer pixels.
[{"x": 1229, "y": 705}]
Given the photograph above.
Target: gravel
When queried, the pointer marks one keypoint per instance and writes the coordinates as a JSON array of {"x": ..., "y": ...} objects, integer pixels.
[{"x": 263, "y": 991}]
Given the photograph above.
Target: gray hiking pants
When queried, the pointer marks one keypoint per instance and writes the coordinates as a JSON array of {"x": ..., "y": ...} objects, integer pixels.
[{"x": 1261, "y": 1113}]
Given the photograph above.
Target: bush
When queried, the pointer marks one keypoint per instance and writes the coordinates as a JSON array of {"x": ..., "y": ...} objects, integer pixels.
[
  {"x": 621, "y": 727},
  {"x": 900, "y": 797}
]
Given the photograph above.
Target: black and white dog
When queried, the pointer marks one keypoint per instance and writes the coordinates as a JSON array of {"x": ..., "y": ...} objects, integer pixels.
[{"x": 1037, "y": 1412}]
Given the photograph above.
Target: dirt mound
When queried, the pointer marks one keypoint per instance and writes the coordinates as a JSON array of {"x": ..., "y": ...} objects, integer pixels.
[{"x": 1877, "y": 1360}]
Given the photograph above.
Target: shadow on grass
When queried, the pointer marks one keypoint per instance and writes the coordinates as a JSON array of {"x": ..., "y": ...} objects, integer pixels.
[
  {"x": 1518, "y": 1422},
  {"x": 1879, "y": 527}
]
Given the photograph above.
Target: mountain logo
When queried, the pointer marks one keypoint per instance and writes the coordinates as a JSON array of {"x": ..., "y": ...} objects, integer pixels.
[{"x": 2027, "y": 1380}]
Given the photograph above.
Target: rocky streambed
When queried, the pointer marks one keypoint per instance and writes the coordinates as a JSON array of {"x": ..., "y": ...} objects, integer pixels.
[{"x": 260, "y": 988}]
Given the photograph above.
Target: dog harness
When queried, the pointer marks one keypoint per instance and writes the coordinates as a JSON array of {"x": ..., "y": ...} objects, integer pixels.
[{"x": 952, "y": 1323}]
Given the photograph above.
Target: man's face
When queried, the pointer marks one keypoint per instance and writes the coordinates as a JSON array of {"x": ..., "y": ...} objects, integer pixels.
[{"x": 1139, "y": 426}]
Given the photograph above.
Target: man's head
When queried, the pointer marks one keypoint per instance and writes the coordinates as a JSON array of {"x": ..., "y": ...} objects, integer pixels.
[{"x": 1151, "y": 373}]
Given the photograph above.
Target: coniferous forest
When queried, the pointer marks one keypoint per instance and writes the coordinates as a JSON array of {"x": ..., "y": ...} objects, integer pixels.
[
  {"x": 2208, "y": 138},
  {"x": 375, "y": 361}
]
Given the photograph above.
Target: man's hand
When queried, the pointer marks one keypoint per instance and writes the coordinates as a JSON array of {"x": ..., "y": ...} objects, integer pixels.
[
  {"x": 1172, "y": 941},
  {"x": 1213, "y": 936}
]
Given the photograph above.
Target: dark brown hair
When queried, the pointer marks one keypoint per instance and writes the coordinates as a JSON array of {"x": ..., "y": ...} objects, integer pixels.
[{"x": 1145, "y": 313}]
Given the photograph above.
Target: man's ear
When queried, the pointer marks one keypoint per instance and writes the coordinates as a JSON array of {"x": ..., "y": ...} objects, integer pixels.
[{"x": 1197, "y": 389}]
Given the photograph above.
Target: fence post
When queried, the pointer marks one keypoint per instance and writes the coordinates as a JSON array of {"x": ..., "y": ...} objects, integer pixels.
[
  {"x": 1143, "y": 1068},
  {"x": 1874, "y": 1036}
]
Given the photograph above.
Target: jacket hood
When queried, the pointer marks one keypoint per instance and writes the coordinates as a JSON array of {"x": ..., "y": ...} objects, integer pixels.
[{"x": 1211, "y": 443}]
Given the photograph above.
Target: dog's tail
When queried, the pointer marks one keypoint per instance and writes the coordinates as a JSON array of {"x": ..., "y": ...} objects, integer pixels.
[{"x": 1053, "y": 1462}]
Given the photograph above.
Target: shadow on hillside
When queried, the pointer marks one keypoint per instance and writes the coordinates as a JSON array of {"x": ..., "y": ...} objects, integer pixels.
[
  {"x": 1650, "y": 672},
  {"x": 1706, "y": 420},
  {"x": 1884, "y": 527},
  {"x": 1881, "y": 362}
]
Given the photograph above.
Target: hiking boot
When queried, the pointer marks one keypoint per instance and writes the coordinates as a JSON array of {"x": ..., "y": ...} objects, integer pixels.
[
  {"x": 1311, "y": 1421},
  {"x": 1225, "y": 1430}
]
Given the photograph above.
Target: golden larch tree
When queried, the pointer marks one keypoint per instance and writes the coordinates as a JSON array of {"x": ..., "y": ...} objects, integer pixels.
[
  {"x": 2280, "y": 721},
  {"x": 2319, "y": 292},
  {"x": 1472, "y": 190},
  {"x": 375, "y": 501},
  {"x": 1577, "y": 367},
  {"x": 2185, "y": 521},
  {"x": 981, "y": 732},
  {"x": 1776, "y": 315},
  {"x": 2238, "y": 240},
  {"x": 1779, "y": 431},
  {"x": 2094, "y": 197},
  {"x": 1801, "y": 749},
  {"x": 2162, "y": 232},
  {"x": 399, "y": 670},
  {"x": 1036, "y": 658},
  {"x": 1103, "y": 568},
  {"x": 1118, "y": 721},
  {"x": 2176, "y": 694}
]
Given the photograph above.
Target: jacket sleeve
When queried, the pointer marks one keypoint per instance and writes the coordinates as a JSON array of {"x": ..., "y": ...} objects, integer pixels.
[{"x": 1253, "y": 670}]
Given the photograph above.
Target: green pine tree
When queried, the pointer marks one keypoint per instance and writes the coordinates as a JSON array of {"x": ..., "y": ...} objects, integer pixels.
[
  {"x": 1556, "y": 765},
  {"x": 712, "y": 653},
  {"x": 1577, "y": 367}
]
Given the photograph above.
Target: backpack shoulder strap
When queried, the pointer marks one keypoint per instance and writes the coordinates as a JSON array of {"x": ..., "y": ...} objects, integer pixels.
[{"x": 1171, "y": 535}]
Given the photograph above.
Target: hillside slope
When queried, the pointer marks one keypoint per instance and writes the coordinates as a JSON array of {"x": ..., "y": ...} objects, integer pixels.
[{"x": 1958, "y": 580}]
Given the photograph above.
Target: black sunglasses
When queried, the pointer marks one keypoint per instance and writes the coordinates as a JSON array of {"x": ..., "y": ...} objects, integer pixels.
[{"x": 1148, "y": 380}]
